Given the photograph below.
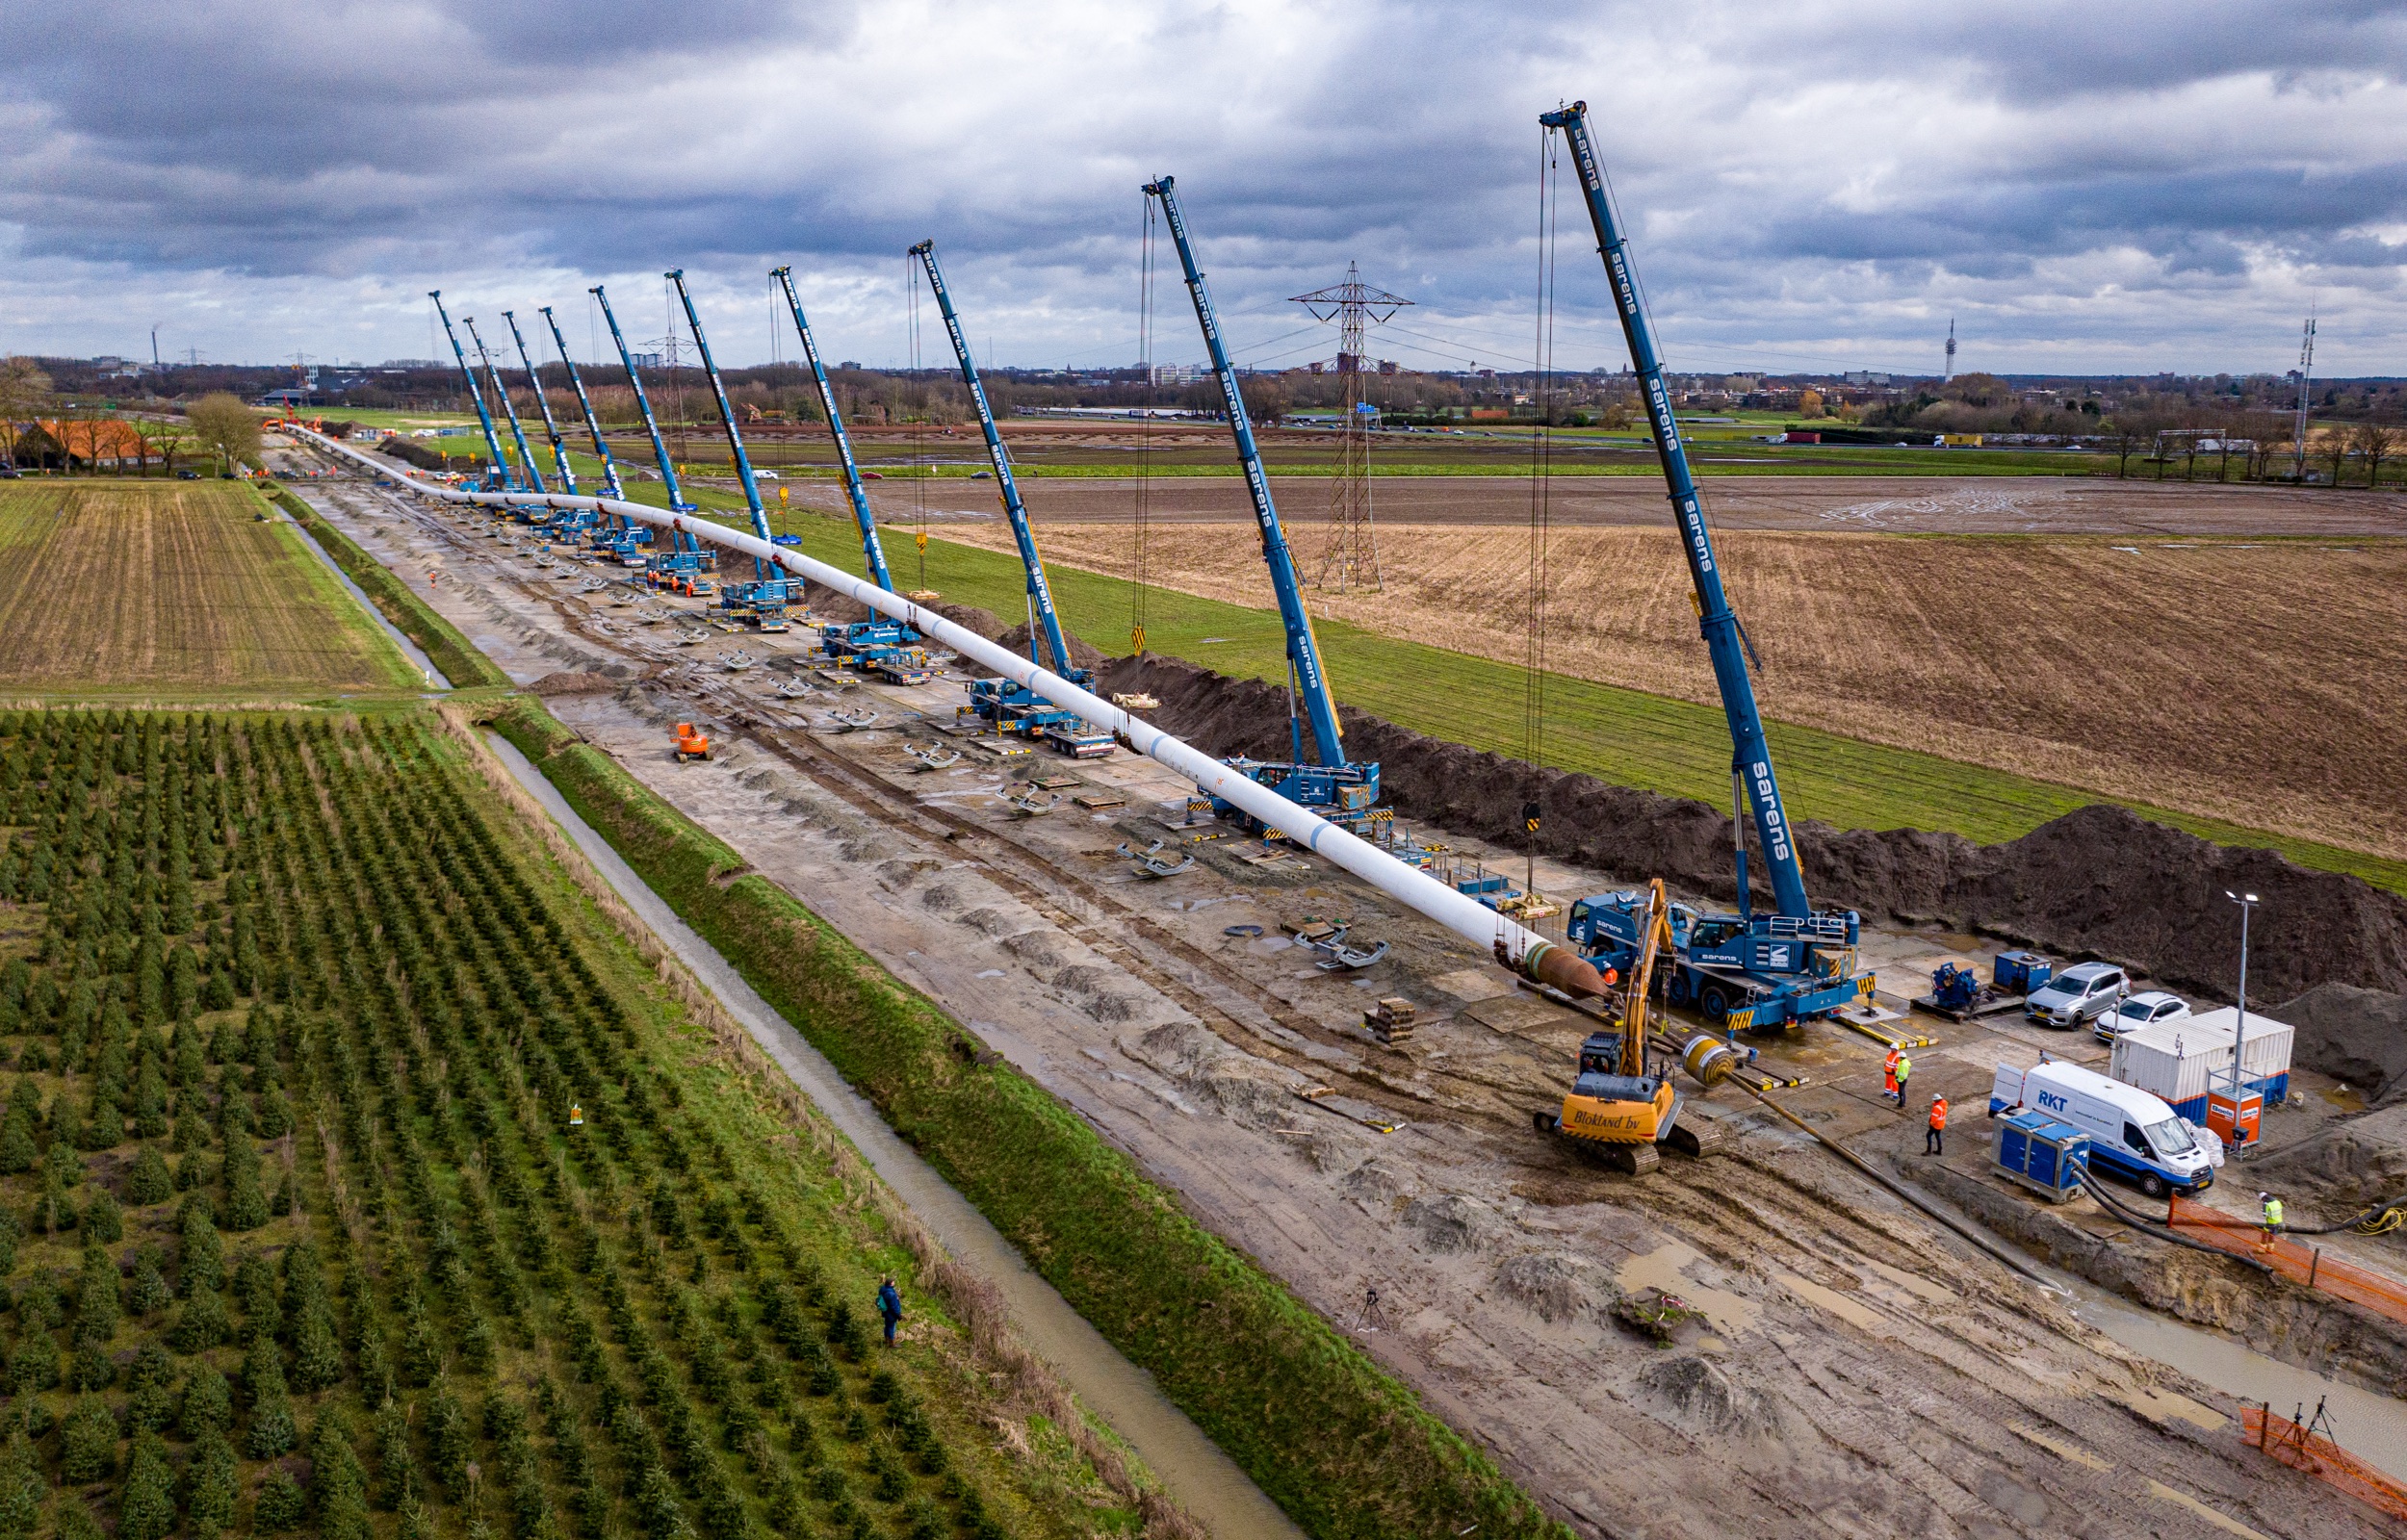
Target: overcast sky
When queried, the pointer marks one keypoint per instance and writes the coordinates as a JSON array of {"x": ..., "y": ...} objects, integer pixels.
[{"x": 2082, "y": 187}]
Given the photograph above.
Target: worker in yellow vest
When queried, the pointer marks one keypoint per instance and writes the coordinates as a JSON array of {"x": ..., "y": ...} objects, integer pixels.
[
  {"x": 2272, "y": 1216},
  {"x": 1905, "y": 1067}
]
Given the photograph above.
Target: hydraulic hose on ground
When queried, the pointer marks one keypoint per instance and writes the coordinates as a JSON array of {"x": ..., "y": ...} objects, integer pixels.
[
  {"x": 2149, "y": 1228},
  {"x": 2390, "y": 1210}
]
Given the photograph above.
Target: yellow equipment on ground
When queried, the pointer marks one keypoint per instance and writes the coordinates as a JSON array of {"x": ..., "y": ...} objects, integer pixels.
[{"x": 1615, "y": 1108}]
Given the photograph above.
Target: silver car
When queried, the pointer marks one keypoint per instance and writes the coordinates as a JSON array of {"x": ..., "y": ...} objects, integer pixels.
[
  {"x": 2082, "y": 993},
  {"x": 2145, "y": 1008}
]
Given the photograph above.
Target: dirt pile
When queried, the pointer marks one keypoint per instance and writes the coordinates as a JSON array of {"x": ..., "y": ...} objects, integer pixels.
[
  {"x": 2353, "y": 1035},
  {"x": 2356, "y": 1161},
  {"x": 1081, "y": 655},
  {"x": 831, "y": 607},
  {"x": 575, "y": 683},
  {"x": 2098, "y": 882}
]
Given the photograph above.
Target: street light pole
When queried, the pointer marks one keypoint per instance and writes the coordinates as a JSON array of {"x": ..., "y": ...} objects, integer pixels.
[{"x": 2239, "y": 1028}]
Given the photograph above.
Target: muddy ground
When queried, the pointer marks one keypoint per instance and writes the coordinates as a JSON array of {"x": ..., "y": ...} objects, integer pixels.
[{"x": 1857, "y": 1370}]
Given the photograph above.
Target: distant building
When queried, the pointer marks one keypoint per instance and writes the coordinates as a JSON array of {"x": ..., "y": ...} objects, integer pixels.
[{"x": 1180, "y": 373}]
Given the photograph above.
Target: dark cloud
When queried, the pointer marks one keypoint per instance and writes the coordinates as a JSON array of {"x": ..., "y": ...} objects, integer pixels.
[{"x": 320, "y": 164}]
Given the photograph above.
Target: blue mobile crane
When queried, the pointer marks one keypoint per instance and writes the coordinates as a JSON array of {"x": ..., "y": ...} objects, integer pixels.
[
  {"x": 760, "y": 604},
  {"x": 1343, "y": 793},
  {"x": 681, "y": 567},
  {"x": 1746, "y": 969},
  {"x": 497, "y": 472},
  {"x": 1012, "y": 707},
  {"x": 543, "y": 402},
  {"x": 872, "y": 553},
  {"x": 534, "y": 477},
  {"x": 585, "y": 403},
  {"x": 879, "y": 644},
  {"x": 593, "y": 525}
]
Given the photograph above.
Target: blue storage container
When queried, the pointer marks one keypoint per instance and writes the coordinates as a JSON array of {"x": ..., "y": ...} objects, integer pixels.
[
  {"x": 2021, "y": 972},
  {"x": 2042, "y": 1154}
]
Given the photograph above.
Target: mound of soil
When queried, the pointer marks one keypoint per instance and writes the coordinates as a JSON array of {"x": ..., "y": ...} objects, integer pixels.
[
  {"x": 574, "y": 683},
  {"x": 831, "y": 607},
  {"x": 411, "y": 453},
  {"x": 1082, "y": 655},
  {"x": 2353, "y": 1035},
  {"x": 2099, "y": 882},
  {"x": 2356, "y": 1161}
]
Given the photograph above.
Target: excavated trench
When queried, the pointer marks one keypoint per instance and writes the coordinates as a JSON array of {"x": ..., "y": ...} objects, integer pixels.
[{"x": 2100, "y": 882}]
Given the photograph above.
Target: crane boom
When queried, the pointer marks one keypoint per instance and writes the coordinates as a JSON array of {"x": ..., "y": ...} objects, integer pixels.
[
  {"x": 1304, "y": 656},
  {"x": 870, "y": 551},
  {"x": 1039, "y": 592},
  {"x": 727, "y": 413},
  {"x": 1753, "y": 782},
  {"x": 492, "y": 440},
  {"x": 525, "y": 457},
  {"x": 534, "y": 381},
  {"x": 585, "y": 403},
  {"x": 677, "y": 502}
]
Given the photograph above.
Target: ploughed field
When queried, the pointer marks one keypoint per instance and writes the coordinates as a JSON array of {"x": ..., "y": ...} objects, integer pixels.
[
  {"x": 2245, "y": 682},
  {"x": 359, "y": 1177},
  {"x": 172, "y": 590}
]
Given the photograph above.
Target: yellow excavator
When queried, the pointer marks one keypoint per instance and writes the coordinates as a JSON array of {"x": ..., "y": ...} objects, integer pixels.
[{"x": 1616, "y": 1109}]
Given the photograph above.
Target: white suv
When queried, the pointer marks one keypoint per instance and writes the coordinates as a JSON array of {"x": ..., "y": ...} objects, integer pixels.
[
  {"x": 2079, "y": 994},
  {"x": 2144, "y": 1009}
]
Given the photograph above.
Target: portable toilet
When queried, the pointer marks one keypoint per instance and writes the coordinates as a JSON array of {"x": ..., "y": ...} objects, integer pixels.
[
  {"x": 2042, "y": 1154},
  {"x": 2181, "y": 1061}
]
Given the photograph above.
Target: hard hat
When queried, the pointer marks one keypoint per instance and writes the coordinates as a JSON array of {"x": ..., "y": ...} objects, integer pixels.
[{"x": 2265, "y": 1197}]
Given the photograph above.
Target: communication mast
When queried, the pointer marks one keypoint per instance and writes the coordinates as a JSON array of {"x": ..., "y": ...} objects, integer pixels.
[
  {"x": 1349, "y": 557},
  {"x": 1950, "y": 372},
  {"x": 2298, "y": 430}
]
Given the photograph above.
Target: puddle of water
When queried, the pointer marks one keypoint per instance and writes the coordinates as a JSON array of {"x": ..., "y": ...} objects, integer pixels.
[
  {"x": 2372, "y": 1427},
  {"x": 1664, "y": 1268},
  {"x": 1848, "y": 1308}
]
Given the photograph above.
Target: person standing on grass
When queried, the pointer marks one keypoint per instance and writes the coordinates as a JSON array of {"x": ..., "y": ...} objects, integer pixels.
[
  {"x": 889, "y": 1308},
  {"x": 1905, "y": 1067},
  {"x": 1935, "y": 1142}
]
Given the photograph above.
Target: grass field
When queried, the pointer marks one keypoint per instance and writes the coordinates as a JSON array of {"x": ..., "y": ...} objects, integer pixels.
[
  {"x": 381, "y": 1189},
  {"x": 169, "y": 591},
  {"x": 1660, "y": 742}
]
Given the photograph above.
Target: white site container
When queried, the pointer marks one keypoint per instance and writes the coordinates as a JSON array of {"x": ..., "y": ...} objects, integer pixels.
[{"x": 2181, "y": 1061}]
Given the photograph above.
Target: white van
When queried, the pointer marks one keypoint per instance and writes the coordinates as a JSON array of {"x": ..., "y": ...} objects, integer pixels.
[{"x": 2132, "y": 1135}]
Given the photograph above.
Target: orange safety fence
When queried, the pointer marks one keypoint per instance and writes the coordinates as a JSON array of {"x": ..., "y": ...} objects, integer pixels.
[
  {"x": 2295, "y": 1260},
  {"x": 2302, "y": 1448}
]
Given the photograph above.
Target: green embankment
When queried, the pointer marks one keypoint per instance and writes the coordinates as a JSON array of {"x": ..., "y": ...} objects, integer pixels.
[
  {"x": 1336, "y": 1442},
  {"x": 439, "y": 638},
  {"x": 1624, "y": 736}
]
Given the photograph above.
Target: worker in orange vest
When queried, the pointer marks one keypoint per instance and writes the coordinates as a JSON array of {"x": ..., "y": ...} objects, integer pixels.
[
  {"x": 1888, "y": 1074},
  {"x": 1932, "y": 1141}
]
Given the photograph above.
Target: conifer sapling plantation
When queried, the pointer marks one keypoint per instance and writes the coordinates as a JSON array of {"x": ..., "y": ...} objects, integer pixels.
[{"x": 355, "y": 1179}]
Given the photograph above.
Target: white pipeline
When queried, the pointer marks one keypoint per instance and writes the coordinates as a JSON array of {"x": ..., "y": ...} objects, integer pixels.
[{"x": 1517, "y": 946}]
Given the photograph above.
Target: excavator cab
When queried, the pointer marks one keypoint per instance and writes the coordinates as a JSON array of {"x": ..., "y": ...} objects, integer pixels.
[{"x": 693, "y": 743}]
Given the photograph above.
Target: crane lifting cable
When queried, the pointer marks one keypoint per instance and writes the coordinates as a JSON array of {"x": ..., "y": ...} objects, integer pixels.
[
  {"x": 1140, "y": 523},
  {"x": 1541, "y": 471}
]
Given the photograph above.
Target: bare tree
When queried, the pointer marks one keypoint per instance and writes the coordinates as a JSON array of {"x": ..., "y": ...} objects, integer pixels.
[
  {"x": 227, "y": 428},
  {"x": 2126, "y": 433},
  {"x": 23, "y": 389},
  {"x": 2336, "y": 448},
  {"x": 2374, "y": 442}
]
